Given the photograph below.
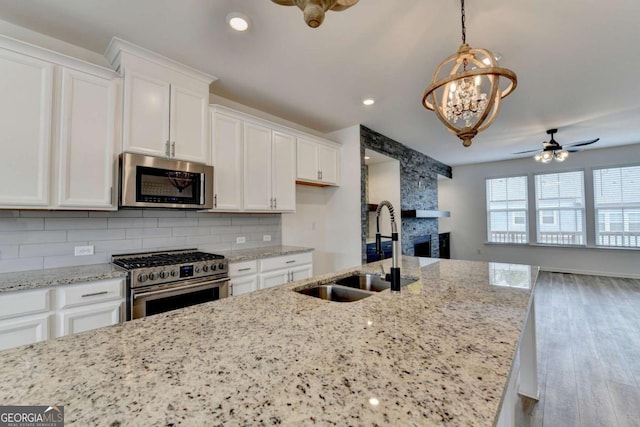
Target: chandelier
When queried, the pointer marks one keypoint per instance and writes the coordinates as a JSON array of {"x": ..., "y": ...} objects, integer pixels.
[
  {"x": 465, "y": 91},
  {"x": 314, "y": 9}
]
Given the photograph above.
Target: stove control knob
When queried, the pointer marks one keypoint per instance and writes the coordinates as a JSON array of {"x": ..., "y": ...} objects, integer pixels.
[
  {"x": 152, "y": 276},
  {"x": 221, "y": 266},
  {"x": 197, "y": 269},
  {"x": 205, "y": 268},
  {"x": 213, "y": 267},
  {"x": 163, "y": 274},
  {"x": 142, "y": 278},
  {"x": 173, "y": 273}
]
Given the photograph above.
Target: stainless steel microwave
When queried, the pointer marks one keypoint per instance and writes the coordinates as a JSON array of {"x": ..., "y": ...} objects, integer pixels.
[{"x": 154, "y": 182}]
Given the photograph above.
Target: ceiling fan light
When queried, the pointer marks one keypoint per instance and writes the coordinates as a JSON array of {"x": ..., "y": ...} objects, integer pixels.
[
  {"x": 547, "y": 156},
  {"x": 561, "y": 155},
  {"x": 538, "y": 157}
]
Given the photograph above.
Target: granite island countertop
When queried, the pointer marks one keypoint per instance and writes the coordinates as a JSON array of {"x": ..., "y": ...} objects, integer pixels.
[{"x": 439, "y": 353}]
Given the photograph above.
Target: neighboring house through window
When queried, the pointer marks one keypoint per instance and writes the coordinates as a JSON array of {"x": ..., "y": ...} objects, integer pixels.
[
  {"x": 616, "y": 193},
  {"x": 560, "y": 208},
  {"x": 507, "y": 210}
]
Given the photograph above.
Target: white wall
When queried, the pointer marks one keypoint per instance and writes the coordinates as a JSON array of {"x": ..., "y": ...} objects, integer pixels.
[
  {"x": 328, "y": 219},
  {"x": 464, "y": 196},
  {"x": 383, "y": 184},
  {"x": 38, "y": 39}
]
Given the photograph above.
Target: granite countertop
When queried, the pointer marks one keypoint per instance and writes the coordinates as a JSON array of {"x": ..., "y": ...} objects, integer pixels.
[
  {"x": 34, "y": 279},
  {"x": 264, "y": 252},
  {"x": 438, "y": 353}
]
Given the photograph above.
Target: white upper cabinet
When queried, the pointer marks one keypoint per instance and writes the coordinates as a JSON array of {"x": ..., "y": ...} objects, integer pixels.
[
  {"x": 87, "y": 137},
  {"x": 58, "y": 117},
  {"x": 146, "y": 115},
  {"x": 283, "y": 184},
  {"x": 253, "y": 162},
  {"x": 165, "y": 110},
  {"x": 227, "y": 161},
  {"x": 25, "y": 119},
  {"x": 257, "y": 168},
  {"x": 318, "y": 162}
]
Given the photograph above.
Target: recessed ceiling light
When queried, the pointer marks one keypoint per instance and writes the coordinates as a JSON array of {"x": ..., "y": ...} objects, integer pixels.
[
  {"x": 368, "y": 101},
  {"x": 238, "y": 21},
  {"x": 367, "y": 157}
]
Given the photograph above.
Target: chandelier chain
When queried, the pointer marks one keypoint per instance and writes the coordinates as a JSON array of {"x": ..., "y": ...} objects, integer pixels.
[{"x": 463, "y": 17}]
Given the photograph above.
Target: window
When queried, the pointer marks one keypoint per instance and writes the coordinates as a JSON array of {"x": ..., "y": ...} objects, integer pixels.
[
  {"x": 616, "y": 194},
  {"x": 507, "y": 210},
  {"x": 560, "y": 208}
]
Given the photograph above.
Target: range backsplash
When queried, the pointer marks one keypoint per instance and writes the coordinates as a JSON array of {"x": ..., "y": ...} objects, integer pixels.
[{"x": 31, "y": 240}]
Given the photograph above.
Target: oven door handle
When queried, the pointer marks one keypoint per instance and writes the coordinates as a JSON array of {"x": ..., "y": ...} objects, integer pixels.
[{"x": 179, "y": 289}]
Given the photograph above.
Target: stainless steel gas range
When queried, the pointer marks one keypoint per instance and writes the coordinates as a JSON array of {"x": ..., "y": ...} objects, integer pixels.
[{"x": 167, "y": 280}]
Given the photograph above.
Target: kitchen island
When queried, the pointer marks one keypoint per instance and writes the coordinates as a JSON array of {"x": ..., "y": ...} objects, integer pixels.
[{"x": 439, "y": 353}]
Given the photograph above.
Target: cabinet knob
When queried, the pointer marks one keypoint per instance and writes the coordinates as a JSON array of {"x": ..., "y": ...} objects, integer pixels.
[{"x": 167, "y": 149}]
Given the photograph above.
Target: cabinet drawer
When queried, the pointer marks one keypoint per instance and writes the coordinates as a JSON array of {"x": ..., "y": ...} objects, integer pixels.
[
  {"x": 89, "y": 293},
  {"x": 243, "y": 268},
  {"x": 13, "y": 304},
  {"x": 285, "y": 261}
]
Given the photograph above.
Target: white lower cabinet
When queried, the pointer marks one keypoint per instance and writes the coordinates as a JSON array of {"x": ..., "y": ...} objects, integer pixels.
[
  {"x": 24, "y": 330},
  {"x": 27, "y": 317},
  {"x": 87, "y": 306},
  {"x": 243, "y": 277},
  {"x": 88, "y": 317},
  {"x": 284, "y": 269}
]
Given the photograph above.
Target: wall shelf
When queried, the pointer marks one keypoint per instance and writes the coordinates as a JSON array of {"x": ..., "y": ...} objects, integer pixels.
[{"x": 416, "y": 213}]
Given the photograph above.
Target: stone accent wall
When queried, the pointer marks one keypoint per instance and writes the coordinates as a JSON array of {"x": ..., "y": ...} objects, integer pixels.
[{"x": 418, "y": 188}]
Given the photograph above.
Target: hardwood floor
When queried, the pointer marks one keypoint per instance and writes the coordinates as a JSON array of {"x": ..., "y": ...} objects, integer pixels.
[{"x": 588, "y": 352}]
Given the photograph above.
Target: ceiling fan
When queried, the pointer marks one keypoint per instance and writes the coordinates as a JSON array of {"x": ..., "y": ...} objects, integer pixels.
[{"x": 553, "y": 151}]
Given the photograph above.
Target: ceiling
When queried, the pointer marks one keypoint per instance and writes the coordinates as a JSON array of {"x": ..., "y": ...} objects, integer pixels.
[{"x": 576, "y": 61}]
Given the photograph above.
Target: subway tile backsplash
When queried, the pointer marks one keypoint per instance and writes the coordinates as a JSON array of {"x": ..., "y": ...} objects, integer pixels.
[{"x": 31, "y": 240}]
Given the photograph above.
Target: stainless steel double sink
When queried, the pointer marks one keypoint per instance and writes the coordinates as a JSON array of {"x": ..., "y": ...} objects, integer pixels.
[{"x": 351, "y": 288}]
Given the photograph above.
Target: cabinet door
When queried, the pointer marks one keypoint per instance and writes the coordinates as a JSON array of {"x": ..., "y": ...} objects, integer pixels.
[
  {"x": 24, "y": 330},
  {"x": 88, "y": 317},
  {"x": 284, "y": 171},
  {"x": 146, "y": 115},
  {"x": 25, "y": 119},
  {"x": 189, "y": 124},
  {"x": 328, "y": 164},
  {"x": 301, "y": 272},
  {"x": 243, "y": 285},
  {"x": 226, "y": 144},
  {"x": 86, "y": 141},
  {"x": 307, "y": 160},
  {"x": 274, "y": 278},
  {"x": 257, "y": 167}
]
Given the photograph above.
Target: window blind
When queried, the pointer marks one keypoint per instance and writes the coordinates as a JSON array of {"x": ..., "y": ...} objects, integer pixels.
[
  {"x": 507, "y": 210},
  {"x": 616, "y": 194},
  {"x": 560, "y": 208}
]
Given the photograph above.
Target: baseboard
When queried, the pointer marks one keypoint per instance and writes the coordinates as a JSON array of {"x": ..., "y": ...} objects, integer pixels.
[{"x": 590, "y": 273}]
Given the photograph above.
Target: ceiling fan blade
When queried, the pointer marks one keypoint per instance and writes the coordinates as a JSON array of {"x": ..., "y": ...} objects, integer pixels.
[
  {"x": 583, "y": 143},
  {"x": 527, "y": 151},
  {"x": 573, "y": 150}
]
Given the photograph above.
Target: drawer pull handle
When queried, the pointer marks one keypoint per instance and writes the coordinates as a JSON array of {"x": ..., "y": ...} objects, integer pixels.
[
  {"x": 290, "y": 261},
  {"x": 95, "y": 294},
  {"x": 244, "y": 269}
]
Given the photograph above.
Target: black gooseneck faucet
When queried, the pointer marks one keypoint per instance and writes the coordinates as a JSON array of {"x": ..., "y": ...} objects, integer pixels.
[{"x": 395, "y": 270}]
